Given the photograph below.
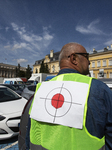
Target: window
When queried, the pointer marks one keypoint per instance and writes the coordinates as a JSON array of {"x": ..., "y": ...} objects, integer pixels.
[
  {"x": 7, "y": 94},
  {"x": 110, "y": 62},
  {"x": 53, "y": 68},
  {"x": 32, "y": 88},
  {"x": 110, "y": 75},
  {"x": 104, "y": 63},
  {"x": 46, "y": 60},
  {"x": 93, "y": 64},
  {"x": 98, "y": 63},
  {"x": 100, "y": 75},
  {"x": 93, "y": 75}
]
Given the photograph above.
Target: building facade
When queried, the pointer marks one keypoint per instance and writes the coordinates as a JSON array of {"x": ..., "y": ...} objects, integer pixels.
[
  {"x": 9, "y": 71},
  {"x": 101, "y": 63},
  {"x": 52, "y": 61}
]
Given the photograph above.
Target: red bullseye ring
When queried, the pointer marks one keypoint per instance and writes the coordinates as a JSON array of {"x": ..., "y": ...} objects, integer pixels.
[{"x": 57, "y": 100}]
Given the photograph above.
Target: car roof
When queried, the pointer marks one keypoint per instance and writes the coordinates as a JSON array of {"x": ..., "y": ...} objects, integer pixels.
[{"x": 3, "y": 86}]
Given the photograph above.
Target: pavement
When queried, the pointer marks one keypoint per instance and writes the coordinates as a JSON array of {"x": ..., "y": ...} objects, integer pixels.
[{"x": 11, "y": 144}]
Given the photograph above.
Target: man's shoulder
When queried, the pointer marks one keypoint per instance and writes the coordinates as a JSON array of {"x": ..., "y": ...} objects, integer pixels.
[{"x": 99, "y": 85}]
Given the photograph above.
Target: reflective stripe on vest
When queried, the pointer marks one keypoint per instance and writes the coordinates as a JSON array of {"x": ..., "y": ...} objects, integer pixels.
[{"x": 58, "y": 137}]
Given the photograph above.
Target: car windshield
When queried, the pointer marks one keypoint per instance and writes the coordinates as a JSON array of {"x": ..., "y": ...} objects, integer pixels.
[
  {"x": 8, "y": 95},
  {"x": 17, "y": 87},
  {"x": 30, "y": 82}
]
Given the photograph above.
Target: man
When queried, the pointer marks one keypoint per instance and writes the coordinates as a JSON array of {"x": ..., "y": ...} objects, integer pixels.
[{"x": 72, "y": 111}]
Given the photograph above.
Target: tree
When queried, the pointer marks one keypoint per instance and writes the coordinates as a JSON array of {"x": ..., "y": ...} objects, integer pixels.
[
  {"x": 46, "y": 68},
  {"x": 17, "y": 70},
  {"x": 36, "y": 71},
  {"x": 22, "y": 73},
  {"x": 42, "y": 67},
  {"x": 28, "y": 72}
]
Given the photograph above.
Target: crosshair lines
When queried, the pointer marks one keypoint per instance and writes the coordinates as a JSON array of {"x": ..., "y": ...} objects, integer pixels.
[{"x": 58, "y": 100}]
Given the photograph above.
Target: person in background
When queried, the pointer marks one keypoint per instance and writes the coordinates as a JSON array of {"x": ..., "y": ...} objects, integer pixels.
[{"x": 88, "y": 125}]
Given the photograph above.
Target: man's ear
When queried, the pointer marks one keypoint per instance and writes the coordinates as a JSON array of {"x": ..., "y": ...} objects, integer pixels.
[{"x": 73, "y": 59}]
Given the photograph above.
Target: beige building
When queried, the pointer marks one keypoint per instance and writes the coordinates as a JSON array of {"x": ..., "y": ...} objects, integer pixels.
[
  {"x": 9, "y": 71},
  {"x": 101, "y": 63},
  {"x": 52, "y": 60}
]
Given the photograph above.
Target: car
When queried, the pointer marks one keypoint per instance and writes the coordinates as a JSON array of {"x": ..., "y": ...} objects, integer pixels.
[
  {"x": 23, "y": 125},
  {"x": 18, "y": 88},
  {"x": 28, "y": 91},
  {"x": 11, "y": 107}
]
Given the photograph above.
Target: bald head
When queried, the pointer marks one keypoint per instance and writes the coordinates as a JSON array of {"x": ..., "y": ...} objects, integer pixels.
[
  {"x": 75, "y": 60},
  {"x": 69, "y": 49}
]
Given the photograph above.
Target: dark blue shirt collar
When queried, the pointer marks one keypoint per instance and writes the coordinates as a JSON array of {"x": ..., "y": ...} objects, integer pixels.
[{"x": 67, "y": 70}]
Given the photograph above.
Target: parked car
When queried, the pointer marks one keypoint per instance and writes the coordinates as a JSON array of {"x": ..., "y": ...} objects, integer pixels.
[
  {"x": 11, "y": 107},
  {"x": 28, "y": 91},
  {"x": 18, "y": 88},
  {"x": 23, "y": 125}
]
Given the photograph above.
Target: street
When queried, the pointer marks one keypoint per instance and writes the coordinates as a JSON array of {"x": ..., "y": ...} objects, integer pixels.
[{"x": 9, "y": 144}]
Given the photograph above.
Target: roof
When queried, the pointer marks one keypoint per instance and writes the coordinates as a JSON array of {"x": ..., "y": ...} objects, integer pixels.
[
  {"x": 54, "y": 58},
  {"x": 105, "y": 50}
]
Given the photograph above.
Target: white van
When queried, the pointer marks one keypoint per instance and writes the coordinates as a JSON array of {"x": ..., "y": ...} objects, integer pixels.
[{"x": 13, "y": 81}]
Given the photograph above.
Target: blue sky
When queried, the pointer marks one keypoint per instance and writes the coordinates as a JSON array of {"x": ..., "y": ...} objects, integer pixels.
[{"x": 29, "y": 29}]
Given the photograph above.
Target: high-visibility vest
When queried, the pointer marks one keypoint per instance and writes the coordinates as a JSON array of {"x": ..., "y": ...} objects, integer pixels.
[{"x": 59, "y": 137}]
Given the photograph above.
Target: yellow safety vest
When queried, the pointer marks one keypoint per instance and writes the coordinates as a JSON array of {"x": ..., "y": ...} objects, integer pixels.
[{"x": 59, "y": 137}]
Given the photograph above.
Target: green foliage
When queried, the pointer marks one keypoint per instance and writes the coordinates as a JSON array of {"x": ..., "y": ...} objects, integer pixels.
[
  {"x": 28, "y": 72},
  {"x": 36, "y": 71},
  {"x": 44, "y": 68},
  {"x": 18, "y": 70},
  {"x": 20, "y": 73}
]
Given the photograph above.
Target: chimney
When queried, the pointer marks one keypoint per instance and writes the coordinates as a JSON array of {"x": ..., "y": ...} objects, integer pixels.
[
  {"x": 107, "y": 47},
  {"x": 51, "y": 53},
  {"x": 111, "y": 45},
  {"x": 94, "y": 51}
]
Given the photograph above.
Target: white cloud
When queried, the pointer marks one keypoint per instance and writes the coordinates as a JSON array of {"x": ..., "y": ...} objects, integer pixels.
[
  {"x": 16, "y": 46},
  {"x": 109, "y": 42},
  {"x": 48, "y": 37},
  {"x": 34, "y": 41},
  {"x": 15, "y": 27},
  {"x": 90, "y": 29},
  {"x": 7, "y": 28},
  {"x": 7, "y": 47},
  {"x": 21, "y": 60},
  {"x": 19, "y": 46},
  {"x": 27, "y": 38}
]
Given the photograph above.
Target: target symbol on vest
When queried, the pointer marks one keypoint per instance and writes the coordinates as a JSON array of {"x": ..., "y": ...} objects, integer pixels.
[{"x": 58, "y": 102}]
